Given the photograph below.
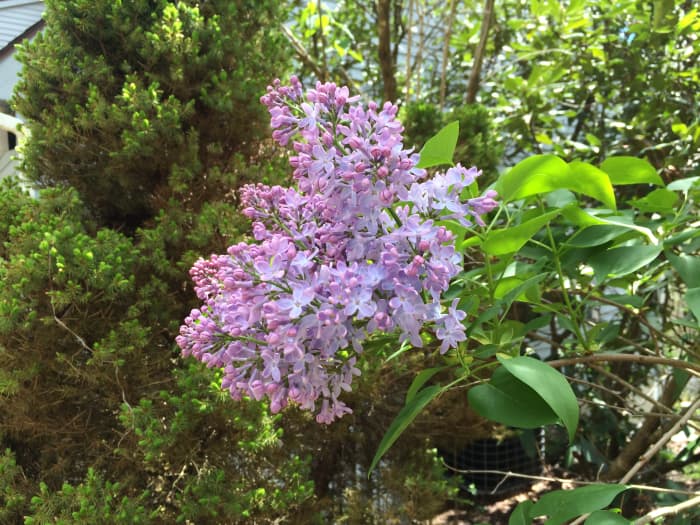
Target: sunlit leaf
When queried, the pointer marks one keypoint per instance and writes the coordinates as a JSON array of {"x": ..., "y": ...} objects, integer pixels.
[
  {"x": 541, "y": 174},
  {"x": 658, "y": 201},
  {"x": 439, "y": 149},
  {"x": 512, "y": 238},
  {"x": 630, "y": 170}
]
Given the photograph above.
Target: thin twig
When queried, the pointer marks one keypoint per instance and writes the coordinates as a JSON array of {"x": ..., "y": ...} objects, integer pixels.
[
  {"x": 635, "y": 358},
  {"x": 662, "y": 441},
  {"x": 552, "y": 479},
  {"x": 668, "y": 511}
]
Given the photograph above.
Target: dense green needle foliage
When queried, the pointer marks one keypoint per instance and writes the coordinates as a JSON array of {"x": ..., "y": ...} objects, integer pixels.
[{"x": 134, "y": 103}]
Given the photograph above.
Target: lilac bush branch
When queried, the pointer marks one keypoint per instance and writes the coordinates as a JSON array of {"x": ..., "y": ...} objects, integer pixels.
[{"x": 356, "y": 248}]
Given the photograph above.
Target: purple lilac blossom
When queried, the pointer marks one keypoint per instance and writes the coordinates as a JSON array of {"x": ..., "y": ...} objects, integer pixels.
[{"x": 354, "y": 250}]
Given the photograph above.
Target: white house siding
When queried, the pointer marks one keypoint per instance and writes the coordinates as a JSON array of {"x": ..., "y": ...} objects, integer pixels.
[
  {"x": 17, "y": 17},
  {"x": 19, "y": 20}
]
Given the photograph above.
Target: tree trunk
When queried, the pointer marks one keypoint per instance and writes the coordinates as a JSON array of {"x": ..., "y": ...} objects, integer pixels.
[
  {"x": 641, "y": 439},
  {"x": 445, "y": 53},
  {"x": 409, "y": 72},
  {"x": 486, "y": 23},
  {"x": 386, "y": 62}
]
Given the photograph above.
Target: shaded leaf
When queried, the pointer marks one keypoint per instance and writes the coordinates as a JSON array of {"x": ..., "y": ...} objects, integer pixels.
[
  {"x": 687, "y": 266},
  {"x": 621, "y": 261},
  {"x": 692, "y": 298},
  {"x": 421, "y": 378},
  {"x": 596, "y": 235},
  {"x": 404, "y": 418},
  {"x": 605, "y": 517},
  {"x": 563, "y": 505},
  {"x": 507, "y": 400},
  {"x": 550, "y": 385},
  {"x": 521, "y": 514}
]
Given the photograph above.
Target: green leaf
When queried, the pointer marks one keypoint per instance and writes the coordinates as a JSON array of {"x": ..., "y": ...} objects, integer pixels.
[
  {"x": 512, "y": 238},
  {"x": 531, "y": 294},
  {"x": 660, "y": 201},
  {"x": 623, "y": 260},
  {"x": 683, "y": 184},
  {"x": 597, "y": 235},
  {"x": 550, "y": 385},
  {"x": 687, "y": 266},
  {"x": 420, "y": 380},
  {"x": 507, "y": 400},
  {"x": 439, "y": 149},
  {"x": 589, "y": 180},
  {"x": 664, "y": 19},
  {"x": 605, "y": 517},
  {"x": 546, "y": 173},
  {"x": 536, "y": 174},
  {"x": 563, "y": 505},
  {"x": 582, "y": 218},
  {"x": 521, "y": 514},
  {"x": 630, "y": 170},
  {"x": 404, "y": 418},
  {"x": 692, "y": 298}
]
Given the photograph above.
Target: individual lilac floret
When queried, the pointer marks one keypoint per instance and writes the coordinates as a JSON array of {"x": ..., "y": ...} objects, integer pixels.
[{"x": 355, "y": 249}]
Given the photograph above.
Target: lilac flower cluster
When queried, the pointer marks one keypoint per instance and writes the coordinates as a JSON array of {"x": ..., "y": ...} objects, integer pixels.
[{"x": 356, "y": 249}]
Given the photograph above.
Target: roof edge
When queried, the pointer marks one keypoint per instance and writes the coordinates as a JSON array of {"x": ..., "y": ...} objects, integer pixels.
[{"x": 28, "y": 33}]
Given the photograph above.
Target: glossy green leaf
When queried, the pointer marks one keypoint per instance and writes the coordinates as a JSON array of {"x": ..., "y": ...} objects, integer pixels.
[
  {"x": 536, "y": 174},
  {"x": 439, "y": 149},
  {"x": 591, "y": 181},
  {"x": 621, "y": 261},
  {"x": 683, "y": 184},
  {"x": 605, "y": 517},
  {"x": 583, "y": 218},
  {"x": 630, "y": 170},
  {"x": 550, "y": 385},
  {"x": 687, "y": 266},
  {"x": 692, "y": 298},
  {"x": 404, "y": 418},
  {"x": 521, "y": 514},
  {"x": 507, "y": 400},
  {"x": 596, "y": 235},
  {"x": 421, "y": 378},
  {"x": 528, "y": 294},
  {"x": 563, "y": 505},
  {"x": 512, "y": 238},
  {"x": 660, "y": 201},
  {"x": 664, "y": 18},
  {"x": 545, "y": 173}
]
